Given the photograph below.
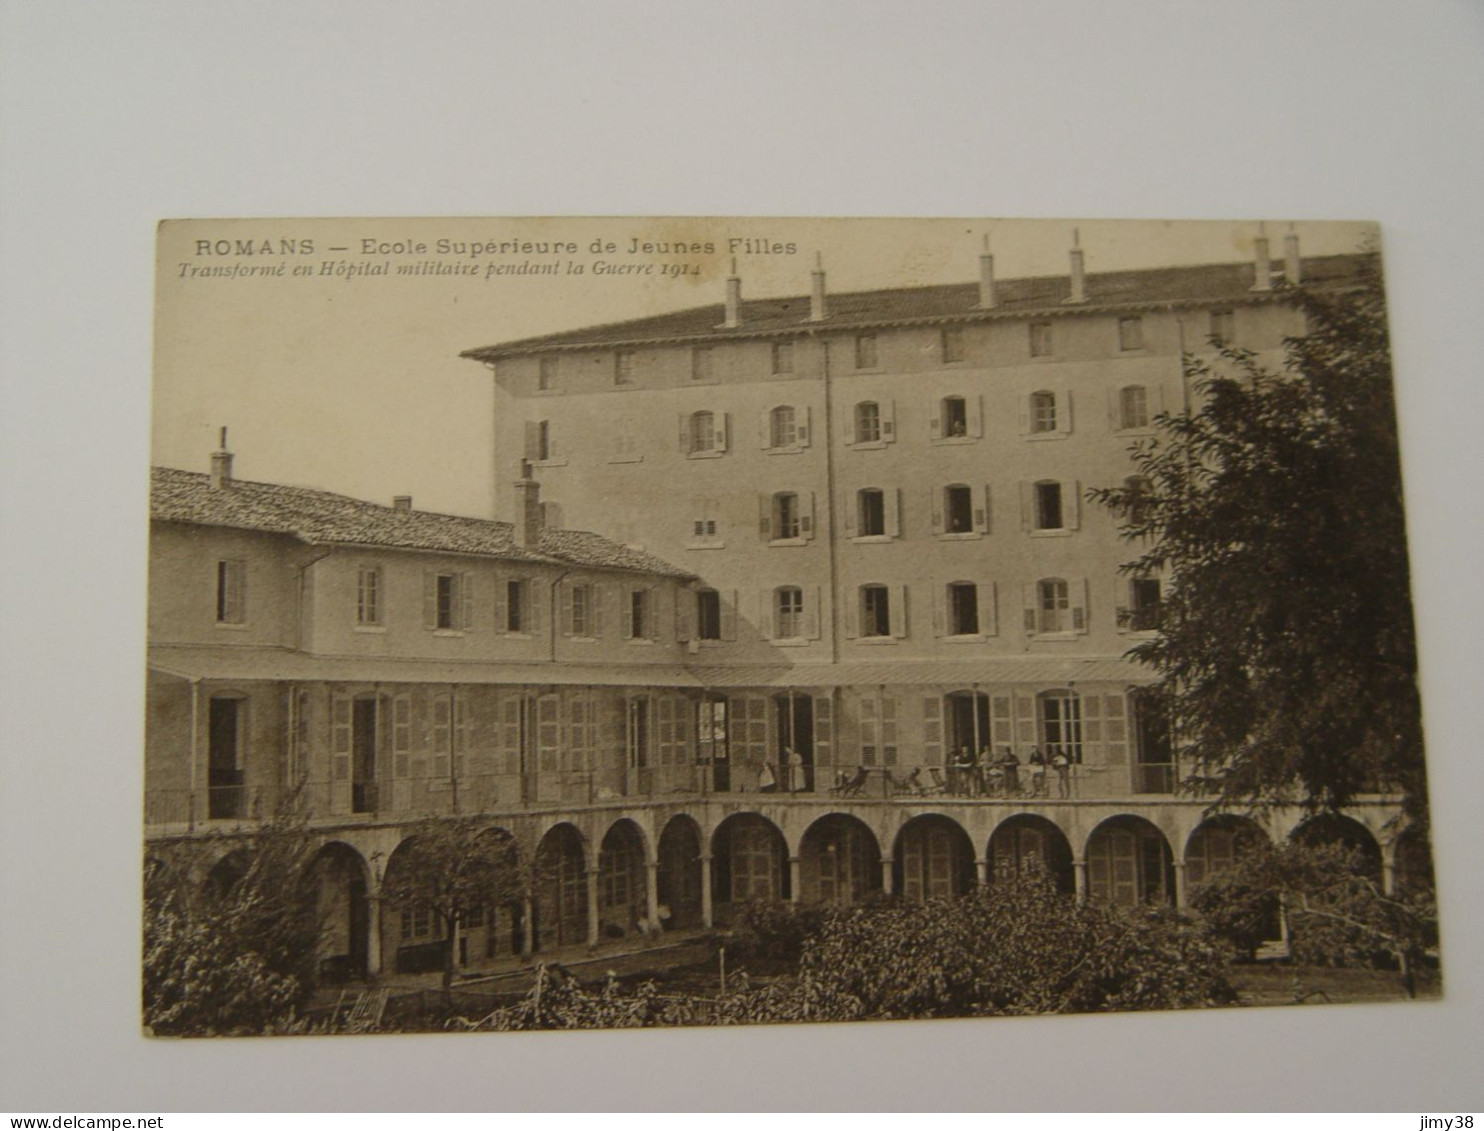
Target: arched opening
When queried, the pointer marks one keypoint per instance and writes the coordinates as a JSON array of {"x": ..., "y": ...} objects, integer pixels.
[
  {"x": 934, "y": 859},
  {"x": 1345, "y": 832},
  {"x": 678, "y": 881},
  {"x": 1028, "y": 845},
  {"x": 561, "y": 889},
  {"x": 622, "y": 899},
  {"x": 1129, "y": 863},
  {"x": 783, "y": 427},
  {"x": 497, "y": 928},
  {"x": 839, "y": 861},
  {"x": 1414, "y": 874},
  {"x": 1217, "y": 844},
  {"x": 750, "y": 860},
  {"x": 225, "y": 874},
  {"x": 413, "y": 935},
  {"x": 342, "y": 911}
]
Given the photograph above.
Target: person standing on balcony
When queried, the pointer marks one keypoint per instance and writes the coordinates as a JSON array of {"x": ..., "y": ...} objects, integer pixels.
[
  {"x": 1038, "y": 772},
  {"x": 1063, "y": 767},
  {"x": 766, "y": 781}
]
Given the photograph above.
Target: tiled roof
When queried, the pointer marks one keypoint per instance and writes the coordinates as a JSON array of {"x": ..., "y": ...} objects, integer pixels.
[
  {"x": 1157, "y": 287},
  {"x": 325, "y": 518}
]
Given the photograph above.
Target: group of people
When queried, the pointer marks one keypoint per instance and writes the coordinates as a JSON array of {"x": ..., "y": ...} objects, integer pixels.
[
  {"x": 981, "y": 774},
  {"x": 794, "y": 774}
]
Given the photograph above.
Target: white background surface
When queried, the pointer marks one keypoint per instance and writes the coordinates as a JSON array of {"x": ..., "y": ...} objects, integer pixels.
[{"x": 113, "y": 116}]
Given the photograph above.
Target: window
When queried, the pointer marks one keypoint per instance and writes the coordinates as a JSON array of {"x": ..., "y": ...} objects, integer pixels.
[
  {"x": 1061, "y": 724},
  {"x": 786, "y": 515},
  {"x": 582, "y": 613},
  {"x": 963, "y": 608},
  {"x": 783, "y": 357},
  {"x": 1048, "y": 506},
  {"x": 865, "y": 351},
  {"x": 1137, "y": 488},
  {"x": 1223, "y": 327},
  {"x": 958, "y": 509},
  {"x": 703, "y": 529},
  {"x": 231, "y": 592},
  {"x": 878, "y": 731},
  {"x": 639, "y": 625},
  {"x": 702, "y": 431},
  {"x": 368, "y": 597},
  {"x": 782, "y": 429},
  {"x": 623, "y": 367},
  {"x": 700, "y": 363},
  {"x": 708, "y": 614},
  {"x": 517, "y": 593},
  {"x": 1043, "y": 412},
  {"x": 447, "y": 601},
  {"x": 953, "y": 344},
  {"x": 417, "y": 923},
  {"x": 1133, "y": 407},
  {"x": 875, "y": 611},
  {"x": 1131, "y": 333},
  {"x": 788, "y": 610},
  {"x": 954, "y": 414},
  {"x": 1144, "y": 604},
  {"x": 447, "y": 612},
  {"x": 867, "y": 422},
  {"x": 1040, "y": 333},
  {"x": 547, "y": 376},
  {"x": 871, "y": 506},
  {"x": 1054, "y": 605}
]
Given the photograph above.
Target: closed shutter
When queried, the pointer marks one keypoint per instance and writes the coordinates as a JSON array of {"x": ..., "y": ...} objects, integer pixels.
[
  {"x": 510, "y": 732},
  {"x": 869, "y": 731},
  {"x": 824, "y": 732},
  {"x": 1001, "y": 725},
  {"x": 401, "y": 735},
  {"x": 430, "y": 600},
  {"x": 685, "y": 614},
  {"x": 537, "y": 594},
  {"x": 932, "y": 729},
  {"x": 466, "y": 601},
  {"x": 548, "y": 733},
  {"x": 805, "y": 427},
  {"x": 1115, "y": 738},
  {"x": 1025, "y": 721},
  {"x": 460, "y": 735},
  {"x": 626, "y": 611},
  {"x": 898, "y": 611},
  {"x": 893, "y": 500},
  {"x": 340, "y": 712},
  {"x": 888, "y": 421},
  {"x": 852, "y": 510},
  {"x": 1091, "y": 708},
  {"x": 806, "y": 514},
  {"x": 442, "y": 734},
  {"x": 723, "y": 429},
  {"x": 599, "y": 597},
  {"x": 989, "y": 608},
  {"x": 888, "y": 732},
  {"x": 1071, "y": 504},
  {"x": 502, "y": 603}
]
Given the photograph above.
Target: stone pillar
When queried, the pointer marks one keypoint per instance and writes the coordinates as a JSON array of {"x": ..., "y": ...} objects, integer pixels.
[
  {"x": 1388, "y": 872},
  {"x": 981, "y": 869},
  {"x": 1179, "y": 869},
  {"x": 888, "y": 879},
  {"x": 795, "y": 879},
  {"x": 706, "y": 911},
  {"x": 527, "y": 928},
  {"x": 1079, "y": 875},
  {"x": 592, "y": 907},
  {"x": 652, "y": 896},
  {"x": 373, "y": 936}
]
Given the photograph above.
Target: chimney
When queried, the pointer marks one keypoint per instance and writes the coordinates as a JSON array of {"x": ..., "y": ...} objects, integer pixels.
[
  {"x": 1079, "y": 280},
  {"x": 986, "y": 277},
  {"x": 1262, "y": 264},
  {"x": 1293, "y": 267},
  {"x": 816, "y": 298},
  {"x": 734, "y": 299},
  {"x": 401, "y": 502},
  {"x": 221, "y": 465},
  {"x": 528, "y": 517}
]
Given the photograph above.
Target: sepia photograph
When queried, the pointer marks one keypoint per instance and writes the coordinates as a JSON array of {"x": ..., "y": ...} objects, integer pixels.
[{"x": 607, "y": 623}]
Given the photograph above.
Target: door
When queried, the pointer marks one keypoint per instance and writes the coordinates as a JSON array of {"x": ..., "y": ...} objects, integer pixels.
[
  {"x": 224, "y": 759},
  {"x": 795, "y": 730}
]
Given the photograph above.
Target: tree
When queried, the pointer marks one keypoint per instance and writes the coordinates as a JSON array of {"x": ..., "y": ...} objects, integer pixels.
[
  {"x": 453, "y": 866},
  {"x": 1285, "y": 647}
]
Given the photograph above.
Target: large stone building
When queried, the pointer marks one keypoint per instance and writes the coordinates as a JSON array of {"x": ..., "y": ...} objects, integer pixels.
[{"x": 849, "y": 573}]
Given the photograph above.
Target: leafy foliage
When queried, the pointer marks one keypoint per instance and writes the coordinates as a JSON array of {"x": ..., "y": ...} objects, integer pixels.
[{"x": 1286, "y": 645}]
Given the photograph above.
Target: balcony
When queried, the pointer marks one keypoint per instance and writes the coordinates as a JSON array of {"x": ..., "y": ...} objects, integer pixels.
[{"x": 1154, "y": 777}]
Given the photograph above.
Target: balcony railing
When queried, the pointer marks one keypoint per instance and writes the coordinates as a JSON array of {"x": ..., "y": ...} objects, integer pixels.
[{"x": 1154, "y": 777}]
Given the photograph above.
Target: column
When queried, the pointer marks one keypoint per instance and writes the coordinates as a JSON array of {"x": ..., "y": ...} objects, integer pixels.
[
  {"x": 981, "y": 868},
  {"x": 1388, "y": 874},
  {"x": 652, "y": 897},
  {"x": 527, "y": 927},
  {"x": 1079, "y": 875},
  {"x": 888, "y": 879},
  {"x": 706, "y": 914},
  {"x": 795, "y": 879},
  {"x": 592, "y": 907},
  {"x": 373, "y": 936},
  {"x": 1179, "y": 869}
]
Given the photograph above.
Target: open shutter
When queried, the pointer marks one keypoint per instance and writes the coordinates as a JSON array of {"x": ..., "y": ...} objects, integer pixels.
[
  {"x": 868, "y": 731},
  {"x": 1025, "y": 720},
  {"x": 898, "y": 611},
  {"x": 1028, "y": 601},
  {"x": 989, "y": 619},
  {"x": 813, "y": 605},
  {"x": 599, "y": 599},
  {"x": 892, "y": 498},
  {"x": 1156, "y": 401},
  {"x": 940, "y": 609},
  {"x": 936, "y": 500},
  {"x": 1025, "y": 413},
  {"x": 806, "y": 514},
  {"x": 626, "y": 611},
  {"x": 974, "y": 407},
  {"x": 1001, "y": 727},
  {"x": 684, "y": 434},
  {"x": 401, "y": 734},
  {"x": 339, "y": 738},
  {"x": 824, "y": 733},
  {"x": 536, "y": 593},
  {"x": 442, "y": 734},
  {"x": 533, "y": 440},
  {"x": 460, "y": 735},
  {"x": 1027, "y": 505},
  {"x": 888, "y": 421},
  {"x": 805, "y": 427},
  {"x": 1071, "y": 504},
  {"x": 1115, "y": 737},
  {"x": 1078, "y": 593},
  {"x": 502, "y": 603},
  {"x": 430, "y": 600},
  {"x": 765, "y": 613},
  {"x": 466, "y": 601},
  {"x": 765, "y": 517},
  {"x": 981, "y": 509},
  {"x": 685, "y": 610},
  {"x": 765, "y": 429},
  {"x": 848, "y": 427},
  {"x": 932, "y": 730},
  {"x": 852, "y": 509},
  {"x": 566, "y": 600},
  {"x": 723, "y": 429},
  {"x": 852, "y": 614},
  {"x": 728, "y": 598},
  {"x": 935, "y": 424},
  {"x": 1064, "y": 410}
]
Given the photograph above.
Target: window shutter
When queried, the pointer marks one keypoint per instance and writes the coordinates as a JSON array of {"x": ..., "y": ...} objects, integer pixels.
[
  {"x": 728, "y": 599},
  {"x": 1071, "y": 504},
  {"x": 824, "y": 731},
  {"x": 1156, "y": 401},
  {"x": 1079, "y": 604},
  {"x": 599, "y": 596},
  {"x": 536, "y": 598},
  {"x": 723, "y": 429},
  {"x": 813, "y": 602},
  {"x": 932, "y": 730},
  {"x": 765, "y": 517},
  {"x": 852, "y": 615},
  {"x": 502, "y": 603},
  {"x": 1027, "y": 505},
  {"x": 806, "y": 514},
  {"x": 937, "y": 504},
  {"x": 892, "y": 498},
  {"x": 442, "y": 734},
  {"x": 239, "y": 590},
  {"x": 533, "y": 440},
  {"x": 852, "y": 511},
  {"x": 1064, "y": 410},
  {"x": 1028, "y": 600},
  {"x": 849, "y": 427},
  {"x": 935, "y": 425},
  {"x": 974, "y": 406},
  {"x": 981, "y": 510},
  {"x": 804, "y": 428},
  {"x": 685, "y": 607},
  {"x": 940, "y": 609},
  {"x": 430, "y": 600},
  {"x": 567, "y": 606},
  {"x": 765, "y": 430},
  {"x": 401, "y": 734},
  {"x": 989, "y": 611},
  {"x": 765, "y": 600},
  {"x": 1115, "y": 738},
  {"x": 466, "y": 601},
  {"x": 888, "y": 410},
  {"x": 898, "y": 611},
  {"x": 1025, "y": 414},
  {"x": 460, "y": 734},
  {"x": 340, "y": 738},
  {"x": 684, "y": 434},
  {"x": 868, "y": 731},
  {"x": 626, "y": 611}
]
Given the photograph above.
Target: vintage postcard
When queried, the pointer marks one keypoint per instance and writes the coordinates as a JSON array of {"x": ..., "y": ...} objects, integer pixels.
[{"x": 619, "y": 622}]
